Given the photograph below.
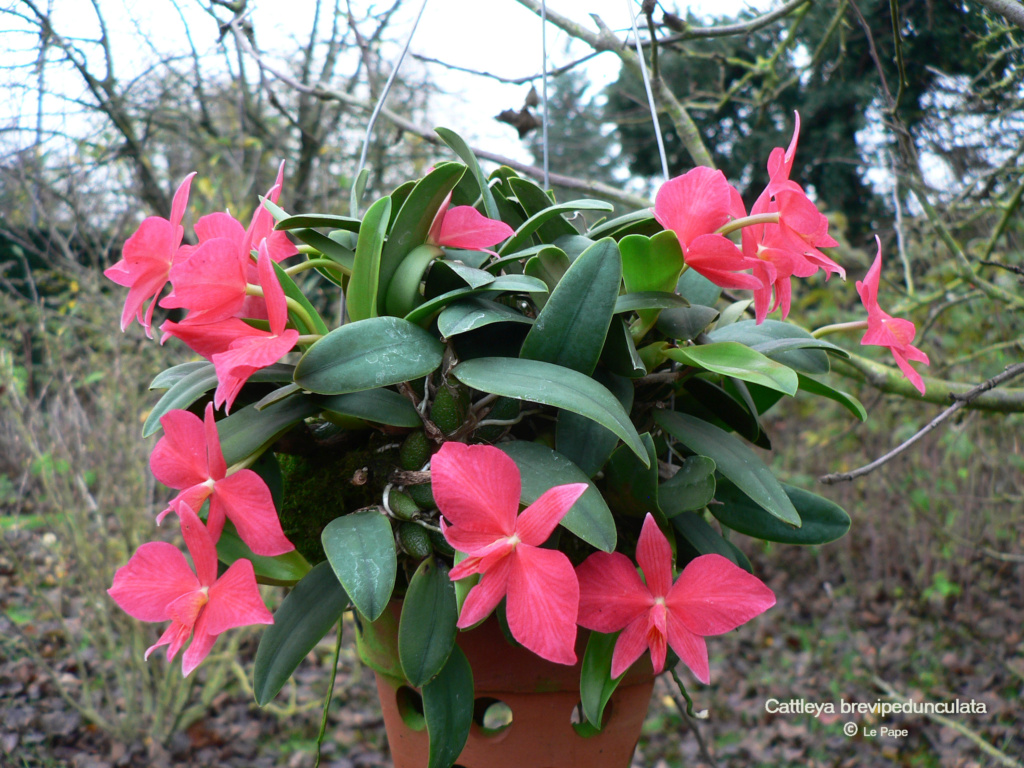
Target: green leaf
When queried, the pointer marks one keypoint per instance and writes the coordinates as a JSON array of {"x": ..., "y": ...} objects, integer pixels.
[
  {"x": 168, "y": 378},
  {"x": 502, "y": 284},
  {"x": 630, "y": 222},
  {"x": 550, "y": 384},
  {"x": 247, "y": 432},
  {"x": 691, "y": 488},
  {"x": 379, "y": 406},
  {"x": 414, "y": 219},
  {"x": 312, "y": 220},
  {"x": 186, "y": 389},
  {"x": 571, "y": 329},
  {"x": 633, "y": 302},
  {"x": 448, "y": 710},
  {"x": 724, "y": 406},
  {"x": 462, "y": 149},
  {"x": 281, "y": 570},
  {"x": 848, "y": 401},
  {"x": 584, "y": 442},
  {"x": 734, "y": 460},
  {"x": 376, "y": 352},
  {"x": 361, "y": 297},
  {"x": 328, "y": 246},
  {"x": 426, "y": 631},
  {"x": 291, "y": 290},
  {"x": 770, "y": 338},
  {"x": 730, "y": 358},
  {"x": 361, "y": 549},
  {"x": 403, "y": 292},
  {"x": 306, "y": 615},
  {"x": 534, "y": 200},
  {"x": 541, "y": 469},
  {"x": 522, "y": 236},
  {"x": 686, "y": 323},
  {"x": 699, "y": 538},
  {"x": 474, "y": 312},
  {"x": 631, "y": 486},
  {"x": 823, "y": 520},
  {"x": 550, "y": 265},
  {"x": 651, "y": 264},
  {"x": 619, "y": 354},
  {"x": 697, "y": 289},
  {"x": 596, "y": 682}
]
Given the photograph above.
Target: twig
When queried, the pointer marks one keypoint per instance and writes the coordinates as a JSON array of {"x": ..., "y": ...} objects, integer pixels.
[
  {"x": 1010, "y": 9},
  {"x": 961, "y": 401},
  {"x": 688, "y": 719},
  {"x": 996, "y": 754},
  {"x": 507, "y": 80},
  {"x": 742, "y": 28}
]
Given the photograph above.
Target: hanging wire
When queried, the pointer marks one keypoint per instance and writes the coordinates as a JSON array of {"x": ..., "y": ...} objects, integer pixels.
[
  {"x": 544, "y": 88},
  {"x": 650, "y": 94},
  {"x": 384, "y": 94}
]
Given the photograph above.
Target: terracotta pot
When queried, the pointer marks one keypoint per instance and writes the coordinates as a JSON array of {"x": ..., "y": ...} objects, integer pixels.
[{"x": 524, "y": 709}]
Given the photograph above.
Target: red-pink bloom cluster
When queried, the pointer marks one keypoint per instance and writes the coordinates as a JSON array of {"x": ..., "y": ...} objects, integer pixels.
[
  {"x": 698, "y": 204},
  {"x": 477, "y": 489},
  {"x": 156, "y": 584},
  {"x": 886, "y": 331}
]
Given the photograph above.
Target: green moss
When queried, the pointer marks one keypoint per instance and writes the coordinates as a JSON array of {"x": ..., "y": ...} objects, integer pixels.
[{"x": 317, "y": 489}]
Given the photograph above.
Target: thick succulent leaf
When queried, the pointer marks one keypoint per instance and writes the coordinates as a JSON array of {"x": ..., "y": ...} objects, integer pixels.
[
  {"x": 651, "y": 264},
  {"x": 414, "y": 218},
  {"x": 448, "y": 710},
  {"x": 823, "y": 520},
  {"x": 730, "y": 358},
  {"x": 317, "y": 220},
  {"x": 361, "y": 549},
  {"x": 692, "y": 487},
  {"x": 168, "y": 378},
  {"x": 697, "y": 289},
  {"x": 306, "y": 615},
  {"x": 549, "y": 384},
  {"x": 474, "y": 312},
  {"x": 634, "y": 302},
  {"x": 542, "y": 468},
  {"x": 291, "y": 290},
  {"x": 724, "y": 406},
  {"x": 337, "y": 252},
  {"x": 686, "y": 323},
  {"x": 523, "y": 234},
  {"x": 361, "y": 296},
  {"x": 585, "y": 442},
  {"x": 503, "y": 284},
  {"x": 571, "y": 329},
  {"x": 734, "y": 460},
  {"x": 426, "y": 631},
  {"x": 534, "y": 200},
  {"x": 380, "y": 406},
  {"x": 619, "y": 354},
  {"x": 199, "y": 379},
  {"x": 848, "y": 401},
  {"x": 785, "y": 342},
  {"x": 549, "y": 264},
  {"x": 376, "y": 352},
  {"x": 631, "y": 486},
  {"x": 630, "y": 222},
  {"x": 247, "y": 432},
  {"x": 697, "y": 537},
  {"x": 596, "y": 682},
  {"x": 281, "y": 570}
]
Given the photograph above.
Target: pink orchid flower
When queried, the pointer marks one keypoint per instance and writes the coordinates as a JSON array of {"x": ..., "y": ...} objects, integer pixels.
[
  {"x": 465, "y": 227},
  {"x": 792, "y": 245},
  {"x": 477, "y": 489},
  {"x": 253, "y": 348},
  {"x": 693, "y": 206},
  {"x": 711, "y": 596},
  {"x": 188, "y": 458},
  {"x": 147, "y": 258},
  {"x": 886, "y": 331},
  {"x": 156, "y": 584}
]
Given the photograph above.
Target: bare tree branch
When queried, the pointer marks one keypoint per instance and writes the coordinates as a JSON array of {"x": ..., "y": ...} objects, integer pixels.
[{"x": 1009, "y": 9}]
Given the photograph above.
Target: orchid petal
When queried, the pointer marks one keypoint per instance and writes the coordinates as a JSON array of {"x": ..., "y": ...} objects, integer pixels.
[
  {"x": 696, "y": 203},
  {"x": 485, "y": 596},
  {"x": 465, "y": 227},
  {"x": 175, "y": 636},
  {"x": 690, "y": 648},
  {"x": 273, "y": 293},
  {"x": 654, "y": 555},
  {"x": 214, "y": 455},
  {"x": 219, "y": 224},
  {"x": 211, "y": 284},
  {"x": 180, "y": 201},
  {"x": 200, "y": 545},
  {"x": 155, "y": 576},
  {"x": 210, "y": 339},
  {"x": 630, "y": 646},
  {"x": 542, "y": 603},
  {"x": 179, "y": 458},
  {"x": 245, "y": 498},
  {"x": 476, "y": 487},
  {"x": 718, "y": 259},
  {"x": 537, "y": 521},
  {"x": 235, "y": 600},
  {"x": 611, "y": 592},
  {"x": 713, "y": 595},
  {"x": 199, "y": 648}
]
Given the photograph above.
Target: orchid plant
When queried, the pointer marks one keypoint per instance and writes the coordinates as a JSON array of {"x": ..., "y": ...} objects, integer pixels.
[{"x": 495, "y": 352}]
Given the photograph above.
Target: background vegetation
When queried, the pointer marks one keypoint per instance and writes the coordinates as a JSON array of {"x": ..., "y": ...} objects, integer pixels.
[{"x": 911, "y": 129}]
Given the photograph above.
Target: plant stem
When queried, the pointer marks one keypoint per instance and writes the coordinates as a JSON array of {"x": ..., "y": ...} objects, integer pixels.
[{"x": 853, "y": 325}]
